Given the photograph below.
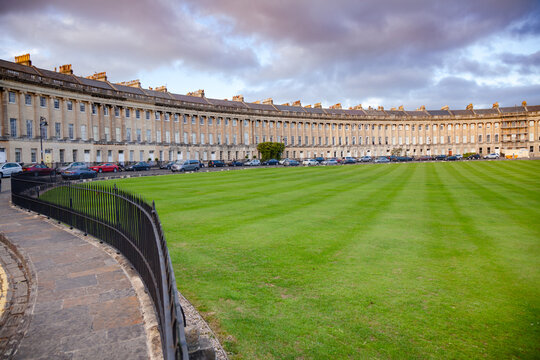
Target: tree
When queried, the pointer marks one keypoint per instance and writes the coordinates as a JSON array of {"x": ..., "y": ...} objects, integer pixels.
[
  {"x": 270, "y": 150},
  {"x": 396, "y": 151}
]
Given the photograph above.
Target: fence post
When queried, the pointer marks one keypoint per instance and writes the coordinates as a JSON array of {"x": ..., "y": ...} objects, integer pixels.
[{"x": 116, "y": 206}]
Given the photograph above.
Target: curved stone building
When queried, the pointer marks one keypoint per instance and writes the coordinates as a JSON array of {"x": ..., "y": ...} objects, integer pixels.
[{"x": 91, "y": 119}]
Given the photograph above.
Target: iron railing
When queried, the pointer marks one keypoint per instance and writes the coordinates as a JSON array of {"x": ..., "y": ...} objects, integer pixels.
[{"x": 126, "y": 222}]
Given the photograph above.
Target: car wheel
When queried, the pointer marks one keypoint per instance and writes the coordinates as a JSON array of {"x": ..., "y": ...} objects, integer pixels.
[
  {"x": 196, "y": 169},
  {"x": 100, "y": 170},
  {"x": 114, "y": 170},
  {"x": 182, "y": 170}
]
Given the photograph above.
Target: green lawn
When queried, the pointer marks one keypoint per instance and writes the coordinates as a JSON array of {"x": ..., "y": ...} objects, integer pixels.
[{"x": 419, "y": 260}]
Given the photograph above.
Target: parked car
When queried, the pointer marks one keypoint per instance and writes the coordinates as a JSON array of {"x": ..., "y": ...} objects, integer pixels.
[
  {"x": 186, "y": 165},
  {"x": 72, "y": 165},
  {"x": 282, "y": 161},
  {"x": 310, "y": 162},
  {"x": 216, "y": 163},
  {"x": 349, "y": 160},
  {"x": 382, "y": 159},
  {"x": 8, "y": 168},
  {"x": 440, "y": 157},
  {"x": 235, "y": 163},
  {"x": 167, "y": 165},
  {"x": 365, "y": 158},
  {"x": 492, "y": 156},
  {"x": 271, "y": 162},
  {"x": 425, "y": 158},
  {"x": 330, "y": 162},
  {"x": 319, "y": 159},
  {"x": 78, "y": 172},
  {"x": 404, "y": 158},
  {"x": 140, "y": 166},
  {"x": 452, "y": 158},
  {"x": 254, "y": 162},
  {"x": 291, "y": 162},
  {"x": 473, "y": 157},
  {"x": 459, "y": 156},
  {"x": 106, "y": 167},
  {"x": 38, "y": 170}
]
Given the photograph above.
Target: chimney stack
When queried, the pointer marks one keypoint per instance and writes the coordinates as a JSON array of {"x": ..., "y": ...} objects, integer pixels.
[{"x": 23, "y": 60}]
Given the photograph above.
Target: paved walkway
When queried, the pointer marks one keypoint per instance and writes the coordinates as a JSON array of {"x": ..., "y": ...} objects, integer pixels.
[{"x": 78, "y": 303}]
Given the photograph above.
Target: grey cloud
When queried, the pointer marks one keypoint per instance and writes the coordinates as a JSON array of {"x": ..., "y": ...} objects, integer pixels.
[{"x": 122, "y": 36}]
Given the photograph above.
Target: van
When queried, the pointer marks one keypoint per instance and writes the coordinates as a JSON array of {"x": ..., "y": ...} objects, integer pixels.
[{"x": 186, "y": 165}]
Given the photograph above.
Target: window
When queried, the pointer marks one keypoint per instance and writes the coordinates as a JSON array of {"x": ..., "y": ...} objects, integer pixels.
[
  {"x": 106, "y": 111},
  {"x": 234, "y": 122},
  {"x": 128, "y": 113},
  {"x": 480, "y": 138},
  {"x": 11, "y": 97},
  {"x": 488, "y": 138},
  {"x": 141, "y": 155},
  {"x": 472, "y": 138},
  {"x": 167, "y": 136},
  {"x": 185, "y": 138},
  {"x": 107, "y": 134},
  {"x": 139, "y": 135},
  {"x": 116, "y": 111},
  {"x": 56, "y": 103},
  {"x": 71, "y": 135},
  {"x": 118, "y": 135},
  {"x": 219, "y": 139},
  {"x": 193, "y": 138},
  {"x": 42, "y": 101},
  {"x": 94, "y": 109},
  {"x": 33, "y": 155},
  {"x": 194, "y": 120},
  {"x": 210, "y": 120},
  {"x": 95, "y": 133},
  {"x": 13, "y": 127},
  {"x": 18, "y": 155},
  {"x": 176, "y": 118},
  {"x": 235, "y": 142},
  {"x": 29, "y": 128},
  {"x": 202, "y": 138},
  {"x": 83, "y": 132},
  {"x": 158, "y": 136},
  {"x": 137, "y": 114},
  {"x": 28, "y": 99},
  {"x": 128, "y": 134},
  {"x": 496, "y": 137},
  {"x": 69, "y": 105},
  {"x": 166, "y": 116},
  {"x": 201, "y": 120},
  {"x": 82, "y": 107},
  {"x": 184, "y": 118},
  {"x": 131, "y": 155},
  {"x": 147, "y": 115}
]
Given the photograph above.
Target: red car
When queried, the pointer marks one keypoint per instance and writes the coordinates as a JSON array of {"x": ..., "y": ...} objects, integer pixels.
[
  {"x": 107, "y": 167},
  {"x": 38, "y": 170}
]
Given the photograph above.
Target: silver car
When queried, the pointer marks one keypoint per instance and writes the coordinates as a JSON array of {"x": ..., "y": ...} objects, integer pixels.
[
  {"x": 187, "y": 165},
  {"x": 6, "y": 169}
]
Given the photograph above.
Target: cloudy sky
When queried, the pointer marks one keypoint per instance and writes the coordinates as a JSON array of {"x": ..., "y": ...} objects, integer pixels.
[{"x": 370, "y": 52}]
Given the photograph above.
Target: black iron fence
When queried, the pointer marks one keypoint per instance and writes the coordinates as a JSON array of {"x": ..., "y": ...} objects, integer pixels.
[{"x": 125, "y": 221}]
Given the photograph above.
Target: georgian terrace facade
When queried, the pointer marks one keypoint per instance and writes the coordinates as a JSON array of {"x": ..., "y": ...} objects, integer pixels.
[{"x": 93, "y": 120}]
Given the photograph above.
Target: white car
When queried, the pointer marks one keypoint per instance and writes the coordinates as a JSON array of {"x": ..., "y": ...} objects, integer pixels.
[
  {"x": 254, "y": 162},
  {"x": 492, "y": 156},
  {"x": 6, "y": 169},
  {"x": 310, "y": 162}
]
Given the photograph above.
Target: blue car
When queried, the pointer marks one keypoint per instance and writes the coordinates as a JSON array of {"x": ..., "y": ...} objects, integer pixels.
[
  {"x": 140, "y": 166},
  {"x": 80, "y": 172},
  {"x": 291, "y": 162},
  {"x": 271, "y": 162}
]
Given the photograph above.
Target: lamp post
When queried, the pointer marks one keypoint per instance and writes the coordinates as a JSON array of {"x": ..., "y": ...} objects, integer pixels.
[{"x": 42, "y": 123}]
